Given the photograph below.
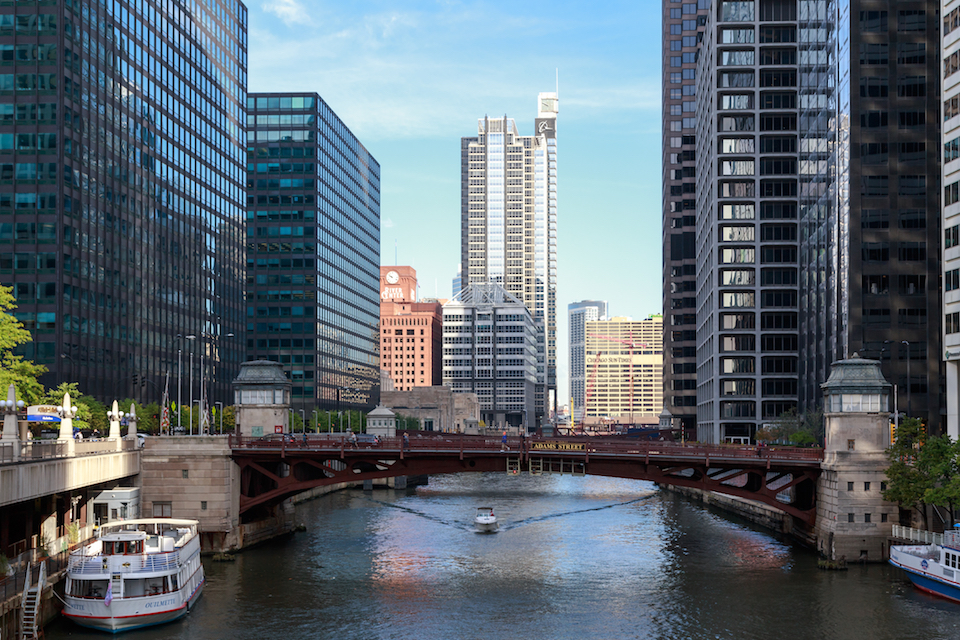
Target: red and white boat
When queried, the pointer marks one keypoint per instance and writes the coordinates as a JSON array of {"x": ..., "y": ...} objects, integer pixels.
[{"x": 138, "y": 573}]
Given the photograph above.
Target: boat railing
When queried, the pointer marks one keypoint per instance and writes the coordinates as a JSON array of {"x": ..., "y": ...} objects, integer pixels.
[
  {"x": 918, "y": 535},
  {"x": 134, "y": 563}
]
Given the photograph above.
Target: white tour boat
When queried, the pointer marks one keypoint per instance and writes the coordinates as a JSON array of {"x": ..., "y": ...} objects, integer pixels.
[
  {"x": 138, "y": 573},
  {"x": 934, "y": 568},
  {"x": 485, "y": 521}
]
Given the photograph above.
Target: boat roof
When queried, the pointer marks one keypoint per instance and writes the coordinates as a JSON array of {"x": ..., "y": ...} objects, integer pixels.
[
  {"x": 484, "y": 508},
  {"x": 166, "y": 523},
  {"x": 120, "y": 536}
]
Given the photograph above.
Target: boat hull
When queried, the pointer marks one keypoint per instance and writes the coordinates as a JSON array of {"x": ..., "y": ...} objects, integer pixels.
[
  {"x": 926, "y": 573},
  {"x": 127, "y": 615},
  {"x": 486, "y": 527}
]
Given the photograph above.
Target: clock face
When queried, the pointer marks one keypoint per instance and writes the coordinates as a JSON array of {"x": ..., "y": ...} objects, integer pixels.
[{"x": 392, "y": 277}]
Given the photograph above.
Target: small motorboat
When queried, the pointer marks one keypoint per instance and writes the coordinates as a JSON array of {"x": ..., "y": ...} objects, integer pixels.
[{"x": 485, "y": 521}]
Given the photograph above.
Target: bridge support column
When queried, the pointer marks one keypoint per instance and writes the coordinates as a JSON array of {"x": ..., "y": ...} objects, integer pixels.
[
  {"x": 854, "y": 522},
  {"x": 11, "y": 435}
]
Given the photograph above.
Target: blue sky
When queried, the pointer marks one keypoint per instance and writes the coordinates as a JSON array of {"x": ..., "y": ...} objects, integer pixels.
[{"x": 411, "y": 78}]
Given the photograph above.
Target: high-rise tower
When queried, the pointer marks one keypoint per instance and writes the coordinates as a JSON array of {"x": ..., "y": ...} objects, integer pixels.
[
  {"x": 508, "y": 213},
  {"x": 313, "y": 251},
  {"x": 121, "y": 141},
  {"x": 579, "y": 314}
]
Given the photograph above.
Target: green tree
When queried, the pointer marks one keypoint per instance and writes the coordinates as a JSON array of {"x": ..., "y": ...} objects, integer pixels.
[
  {"x": 14, "y": 369},
  {"x": 86, "y": 419},
  {"x": 941, "y": 457},
  {"x": 909, "y": 480}
]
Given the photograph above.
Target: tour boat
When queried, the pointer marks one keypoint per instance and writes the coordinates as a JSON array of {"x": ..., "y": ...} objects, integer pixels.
[
  {"x": 934, "y": 568},
  {"x": 485, "y": 521},
  {"x": 137, "y": 573}
]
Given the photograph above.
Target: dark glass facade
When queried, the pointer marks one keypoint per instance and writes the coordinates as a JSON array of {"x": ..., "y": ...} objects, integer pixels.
[
  {"x": 870, "y": 196},
  {"x": 313, "y": 251},
  {"x": 121, "y": 212},
  {"x": 683, "y": 28}
]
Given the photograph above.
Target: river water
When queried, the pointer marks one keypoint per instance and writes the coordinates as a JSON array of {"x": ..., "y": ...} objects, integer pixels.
[{"x": 576, "y": 557}]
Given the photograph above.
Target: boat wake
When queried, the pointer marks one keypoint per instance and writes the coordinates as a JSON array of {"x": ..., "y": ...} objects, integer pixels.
[{"x": 563, "y": 514}]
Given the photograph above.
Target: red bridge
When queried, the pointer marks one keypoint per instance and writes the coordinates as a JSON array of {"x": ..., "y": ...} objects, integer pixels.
[{"x": 274, "y": 468}]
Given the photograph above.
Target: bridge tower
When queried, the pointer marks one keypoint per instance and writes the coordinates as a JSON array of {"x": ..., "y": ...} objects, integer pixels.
[
  {"x": 262, "y": 398},
  {"x": 854, "y": 522}
]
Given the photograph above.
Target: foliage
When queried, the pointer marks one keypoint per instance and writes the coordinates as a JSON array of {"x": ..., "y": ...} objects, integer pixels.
[
  {"x": 91, "y": 413},
  {"x": 73, "y": 532},
  {"x": 148, "y": 415},
  {"x": 802, "y": 430},
  {"x": 408, "y": 422},
  {"x": 939, "y": 457},
  {"x": 23, "y": 374},
  {"x": 908, "y": 480}
]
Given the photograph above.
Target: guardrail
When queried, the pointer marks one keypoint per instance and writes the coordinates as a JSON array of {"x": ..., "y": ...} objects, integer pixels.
[
  {"x": 916, "y": 535},
  {"x": 32, "y": 450},
  {"x": 580, "y": 444}
]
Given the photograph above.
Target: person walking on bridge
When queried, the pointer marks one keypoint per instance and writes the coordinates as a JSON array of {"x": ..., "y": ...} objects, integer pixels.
[{"x": 503, "y": 442}]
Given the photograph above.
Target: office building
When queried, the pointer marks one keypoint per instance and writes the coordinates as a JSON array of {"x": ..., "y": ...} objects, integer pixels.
[
  {"x": 951, "y": 213},
  {"x": 490, "y": 342},
  {"x": 869, "y": 196},
  {"x": 121, "y": 225},
  {"x": 746, "y": 219},
  {"x": 683, "y": 28},
  {"x": 508, "y": 212},
  {"x": 410, "y": 331},
  {"x": 313, "y": 251},
  {"x": 579, "y": 313},
  {"x": 625, "y": 362}
]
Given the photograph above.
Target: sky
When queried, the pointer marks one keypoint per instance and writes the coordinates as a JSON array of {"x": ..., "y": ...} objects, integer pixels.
[{"x": 411, "y": 78}]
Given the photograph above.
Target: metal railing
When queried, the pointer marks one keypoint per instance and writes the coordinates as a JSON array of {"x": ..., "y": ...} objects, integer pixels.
[
  {"x": 916, "y": 535},
  {"x": 32, "y": 450},
  {"x": 575, "y": 444}
]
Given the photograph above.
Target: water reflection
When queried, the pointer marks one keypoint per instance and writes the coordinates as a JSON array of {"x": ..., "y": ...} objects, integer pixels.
[{"x": 578, "y": 558}]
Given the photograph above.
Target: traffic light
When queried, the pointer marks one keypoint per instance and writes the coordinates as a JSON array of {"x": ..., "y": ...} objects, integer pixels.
[
  {"x": 143, "y": 381},
  {"x": 135, "y": 379}
]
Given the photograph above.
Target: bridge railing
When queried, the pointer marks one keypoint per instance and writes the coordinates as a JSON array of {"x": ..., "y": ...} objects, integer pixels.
[
  {"x": 582, "y": 444},
  {"x": 916, "y": 535}
]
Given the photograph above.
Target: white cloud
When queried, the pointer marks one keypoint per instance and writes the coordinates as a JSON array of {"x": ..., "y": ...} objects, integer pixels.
[{"x": 290, "y": 11}]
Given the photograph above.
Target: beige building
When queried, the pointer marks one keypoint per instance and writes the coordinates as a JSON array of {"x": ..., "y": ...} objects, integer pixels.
[
  {"x": 624, "y": 370},
  {"x": 410, "y": 331}
]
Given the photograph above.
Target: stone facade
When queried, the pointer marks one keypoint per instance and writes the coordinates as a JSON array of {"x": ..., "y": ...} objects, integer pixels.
[
  {"x": 854, "y": 522},
  {"x": 434, "y": 407},
  {"x": 262, "y": 399}
]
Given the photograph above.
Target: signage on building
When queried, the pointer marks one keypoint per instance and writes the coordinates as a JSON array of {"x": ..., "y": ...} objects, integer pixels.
[
  {"x": 43, "y": 413},
  {"x": 557, "y": 446}
]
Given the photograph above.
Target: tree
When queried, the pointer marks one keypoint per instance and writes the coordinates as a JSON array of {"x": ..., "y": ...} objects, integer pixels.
[
  {"x": 86, "y": 419},
  {"x": 939, "y": 456},
  {"x": 14, "y": 369},
  {"x": 908, "y": 480}
]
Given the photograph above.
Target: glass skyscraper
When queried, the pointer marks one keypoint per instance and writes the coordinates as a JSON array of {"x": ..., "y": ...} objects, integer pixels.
[
  {"x": 121, "y": 156},
  {"x": 313, "y": 251}
]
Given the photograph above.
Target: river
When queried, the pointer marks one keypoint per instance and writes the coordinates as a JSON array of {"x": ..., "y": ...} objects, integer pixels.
[{"x": 576, "y": 557}]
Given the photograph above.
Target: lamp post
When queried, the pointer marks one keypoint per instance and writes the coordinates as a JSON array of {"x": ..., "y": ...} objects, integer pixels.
[
  {"x": 303, "y": 421},
  {"x": 220, "y": 411},
  {"x": 191, "y": 338},
  {"x": 909, "y": 409},
  {"x": 179, "y": 377}
]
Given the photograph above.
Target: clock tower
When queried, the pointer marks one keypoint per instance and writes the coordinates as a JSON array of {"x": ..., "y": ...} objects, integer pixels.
[{"x": 398, "y": 284}]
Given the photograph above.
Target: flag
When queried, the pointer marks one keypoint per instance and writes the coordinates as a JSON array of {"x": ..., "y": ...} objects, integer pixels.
[
  {"x": 204, "y": 421},
  {"x": 165, "y": 415},
  {"x": 109, "y": 598}
]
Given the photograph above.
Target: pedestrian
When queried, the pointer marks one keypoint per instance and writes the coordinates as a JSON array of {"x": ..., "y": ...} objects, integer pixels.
[
  {"x": 503, "y": 442},
  {"x": 406, "y": 442},
  {"x": 353, "y": 440}
]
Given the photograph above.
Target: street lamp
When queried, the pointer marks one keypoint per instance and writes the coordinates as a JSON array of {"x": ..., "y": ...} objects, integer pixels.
[
  {"x": 220, "y": 410},
  {"x": 303, "y": 421},
  {"x": 909, "y": 409},
  {"x": 191, "y": 338},
  {"x": 179, "y": 378}
]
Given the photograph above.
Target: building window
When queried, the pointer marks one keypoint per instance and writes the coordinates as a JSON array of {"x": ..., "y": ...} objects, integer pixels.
[
  {"x": 849, "y": 517},
  {"x": 162, "y": 510},
  {"x": 849, "y": 486},
  {"x": 883, "y": 517},
  {"x": 203, "y": 505},
  {"x": 186, "y": 473},
  {"x": 851, "y": 444},
  {"x": 866, "y": 486},
  {"x": 866, "y": 517}
]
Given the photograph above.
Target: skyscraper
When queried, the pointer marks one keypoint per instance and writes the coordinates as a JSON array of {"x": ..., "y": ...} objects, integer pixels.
[
  {"x": 490, "y": 344},
  {"x": 626, "y": 362},
  {"x": 508, "y": 212},
  {"x": 121, "y": 133},
  {"x": 313, "y": 251},
  {"x": 683, "y": 27},
  {"x": 951, "y": 213},
  {"x": 746, "y": 219},
  {"x": 869, "y": 200},
  {"x": 579, "y": 313}
]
